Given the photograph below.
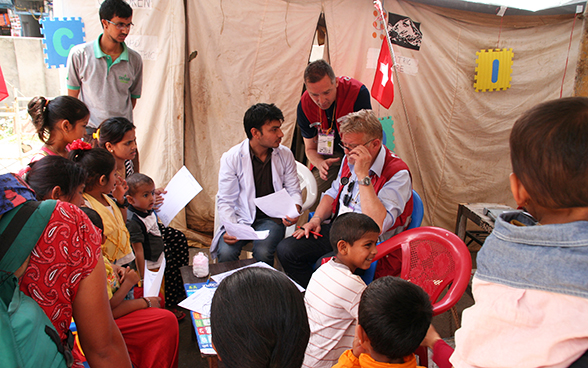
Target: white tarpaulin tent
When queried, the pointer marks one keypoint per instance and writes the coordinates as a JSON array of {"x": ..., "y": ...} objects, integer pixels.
[{"x": 455, "y": 140}]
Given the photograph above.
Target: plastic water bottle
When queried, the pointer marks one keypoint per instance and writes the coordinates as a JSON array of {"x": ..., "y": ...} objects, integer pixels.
[{"x": 200, "y": 265}]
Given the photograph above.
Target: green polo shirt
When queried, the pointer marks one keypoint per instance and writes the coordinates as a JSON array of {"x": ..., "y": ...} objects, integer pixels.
[{"x": 105, "y": 86}]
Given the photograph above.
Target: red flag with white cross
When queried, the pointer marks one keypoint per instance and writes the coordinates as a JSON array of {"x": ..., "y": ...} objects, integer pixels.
[{"x": 383, "y": 87}]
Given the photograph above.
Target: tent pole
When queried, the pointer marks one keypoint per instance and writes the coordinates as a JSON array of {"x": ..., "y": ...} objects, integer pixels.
[{"x": 581, "y": 80}]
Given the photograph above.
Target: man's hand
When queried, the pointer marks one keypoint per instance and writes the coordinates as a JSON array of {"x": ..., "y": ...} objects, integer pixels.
[
  {"x": 363, "y": 161},
  {"x": 230, "y": 240},
  {"x": 313, "y": 225},
  {"x": 324, "y": 166},
  {"x": 291, "y": 221}
]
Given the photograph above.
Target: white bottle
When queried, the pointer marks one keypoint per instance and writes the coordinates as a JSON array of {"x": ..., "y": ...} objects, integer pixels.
[{"x": 200, "y": 265}]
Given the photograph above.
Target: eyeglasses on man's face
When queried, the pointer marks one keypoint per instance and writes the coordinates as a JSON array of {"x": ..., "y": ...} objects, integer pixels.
[
  {"x": 121, "y": 26},
  {"x": 351, "y": 147}
]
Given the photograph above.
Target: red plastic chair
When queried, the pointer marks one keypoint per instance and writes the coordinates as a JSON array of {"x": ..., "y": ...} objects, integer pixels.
[{"x": 434, "y": 259}]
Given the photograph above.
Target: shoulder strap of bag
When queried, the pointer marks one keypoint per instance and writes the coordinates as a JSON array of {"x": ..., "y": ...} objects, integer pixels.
[
  {"x": 16, "y": 224},
  {"x": 23, "y": 225}
]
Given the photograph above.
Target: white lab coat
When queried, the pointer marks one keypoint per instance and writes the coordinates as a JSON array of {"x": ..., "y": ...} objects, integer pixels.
[{"x": 236, "y": 186}]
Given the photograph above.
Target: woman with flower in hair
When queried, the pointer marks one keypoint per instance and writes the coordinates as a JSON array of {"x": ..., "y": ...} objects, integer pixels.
[{"x": 58, "y": 122}]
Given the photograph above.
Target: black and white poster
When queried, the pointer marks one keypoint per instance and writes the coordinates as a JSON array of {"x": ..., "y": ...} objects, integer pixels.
[{"x": 404, "y": 32}]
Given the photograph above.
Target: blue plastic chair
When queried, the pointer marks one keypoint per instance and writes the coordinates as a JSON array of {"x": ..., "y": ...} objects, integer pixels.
[{"x": 418, "y": 211}]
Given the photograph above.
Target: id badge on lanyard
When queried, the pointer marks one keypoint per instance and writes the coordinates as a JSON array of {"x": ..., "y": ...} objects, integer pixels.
[{"x": 326, "y": 142}]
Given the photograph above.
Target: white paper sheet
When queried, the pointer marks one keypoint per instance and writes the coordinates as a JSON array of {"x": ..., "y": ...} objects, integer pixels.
[
  {"x": 152, "y": 280},
  {"x": 180, "y": 190},
  {"x": 277, "y": 205},
  {"x": 200, "y": 301},
  {"x": 221, "y": 276},
  {"x": 244, "y": 232}
]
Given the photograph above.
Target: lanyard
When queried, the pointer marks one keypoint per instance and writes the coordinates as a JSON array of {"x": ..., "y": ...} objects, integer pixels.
[{"x": 332, "y": 118}]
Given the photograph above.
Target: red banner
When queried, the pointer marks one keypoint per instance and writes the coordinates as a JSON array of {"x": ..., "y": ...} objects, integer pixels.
[{"x": 3, "y": 90}]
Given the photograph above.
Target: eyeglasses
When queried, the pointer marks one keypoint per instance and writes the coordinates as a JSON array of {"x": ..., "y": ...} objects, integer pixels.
[
  {"x": 351, "y": 147},
  {"x": 347, "y": 197},
  {"x": 121, "y": 26}
]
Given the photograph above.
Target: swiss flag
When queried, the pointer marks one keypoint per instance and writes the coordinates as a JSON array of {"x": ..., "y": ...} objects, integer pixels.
[
  {"x": 383, "y": 87},
  {"x": 3, "y": 90}
]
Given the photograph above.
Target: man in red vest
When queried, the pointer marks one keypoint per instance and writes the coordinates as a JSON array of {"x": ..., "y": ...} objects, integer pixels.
[
  {"x": 373, "y": 181},
  {"x": 326, "y": 99}
]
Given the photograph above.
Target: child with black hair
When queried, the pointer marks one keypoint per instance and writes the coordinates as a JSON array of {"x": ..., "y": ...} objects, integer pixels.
[
  {"x": 142, "y": 223},
  {"x": 258, "y": 320},
  {"x": 333, "y": 293},
  {"x": 394, "y": 317},
  {"x": 530, "y": 289},
  {"x": 56, "y": 177},
  {"x": 150, "y": 243},
  {"x": 102, "y": 182}
]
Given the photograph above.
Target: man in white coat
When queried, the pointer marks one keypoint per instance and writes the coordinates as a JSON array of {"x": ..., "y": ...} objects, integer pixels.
[{"x": 256, "y": 167}]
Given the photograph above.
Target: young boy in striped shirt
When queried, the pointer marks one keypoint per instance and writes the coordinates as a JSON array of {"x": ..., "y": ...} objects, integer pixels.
[{"x": 332, "y": 296}]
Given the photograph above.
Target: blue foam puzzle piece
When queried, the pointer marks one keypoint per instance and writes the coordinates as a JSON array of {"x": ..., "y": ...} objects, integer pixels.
[{"x": 59, "y": 36}]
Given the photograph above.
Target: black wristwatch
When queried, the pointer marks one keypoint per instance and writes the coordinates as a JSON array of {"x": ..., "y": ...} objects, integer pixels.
[
  {"x": 365, "y": 181},
  {"x": 125, "y": 204}
]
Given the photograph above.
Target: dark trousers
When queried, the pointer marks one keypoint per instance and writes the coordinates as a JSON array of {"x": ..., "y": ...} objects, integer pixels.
[{"x": 298, "y": 256}]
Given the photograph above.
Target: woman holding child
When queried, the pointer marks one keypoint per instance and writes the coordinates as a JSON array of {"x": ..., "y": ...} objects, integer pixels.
[{"x": 117, "y": 135}]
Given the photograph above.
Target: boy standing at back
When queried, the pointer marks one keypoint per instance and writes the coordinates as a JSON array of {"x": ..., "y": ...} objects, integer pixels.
[
  {"x": 333, "y": 293},
  {"x": 530, "y": 288}
]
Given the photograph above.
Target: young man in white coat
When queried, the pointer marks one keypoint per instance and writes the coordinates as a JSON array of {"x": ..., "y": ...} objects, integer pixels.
[{"x": 256, "y": 167}]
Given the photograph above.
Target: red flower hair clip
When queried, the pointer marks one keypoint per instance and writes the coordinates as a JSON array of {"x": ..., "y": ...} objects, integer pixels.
[{"x": 79, "y": 144}]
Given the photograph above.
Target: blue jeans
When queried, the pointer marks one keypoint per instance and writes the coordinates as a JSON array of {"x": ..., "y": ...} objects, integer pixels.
[{"x": 263, "y": 250}]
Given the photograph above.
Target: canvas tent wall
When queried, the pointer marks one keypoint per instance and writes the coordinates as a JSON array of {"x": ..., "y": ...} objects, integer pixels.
[
  {"x": 244, "y": 52},
  {"x": 256, "y": 52}
]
